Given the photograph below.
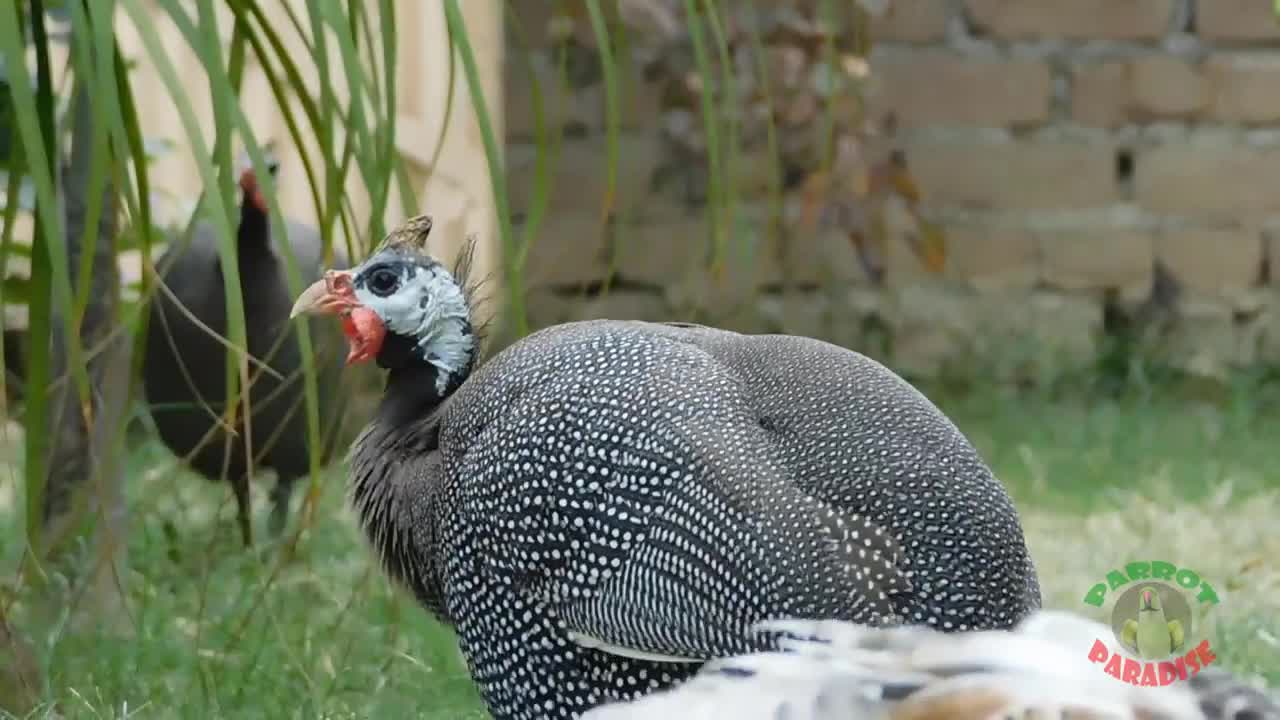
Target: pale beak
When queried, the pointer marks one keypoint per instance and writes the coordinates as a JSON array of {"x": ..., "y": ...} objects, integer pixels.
[{"x": 329, "y": 295}]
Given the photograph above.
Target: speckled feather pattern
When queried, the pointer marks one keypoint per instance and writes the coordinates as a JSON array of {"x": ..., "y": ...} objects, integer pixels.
[{"x": 605, "y": 492}]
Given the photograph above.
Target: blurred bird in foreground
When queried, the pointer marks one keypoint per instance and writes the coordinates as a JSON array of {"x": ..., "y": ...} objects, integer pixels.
[{"x": 832, "y": 670}]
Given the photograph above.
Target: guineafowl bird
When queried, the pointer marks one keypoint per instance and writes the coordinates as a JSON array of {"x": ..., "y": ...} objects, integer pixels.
[
  {"x": 603, "y": 506},
  {"x": 184, "y": 371},
  {"x": 832, "y": 670}
]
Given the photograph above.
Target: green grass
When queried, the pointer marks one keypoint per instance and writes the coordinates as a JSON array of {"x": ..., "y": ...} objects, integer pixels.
[
  {"x": 1101, "y": 483},
  {"x": 1078, "y": 454},
  {"x": 217, "y": 637},
  {"x": 1098, "y": 484}
]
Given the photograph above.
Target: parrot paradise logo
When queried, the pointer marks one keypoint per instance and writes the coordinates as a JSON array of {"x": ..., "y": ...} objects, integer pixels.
[{"x": 1152, "y": 620}]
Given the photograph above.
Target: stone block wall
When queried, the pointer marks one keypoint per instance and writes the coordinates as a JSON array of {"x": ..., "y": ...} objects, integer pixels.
[{"x": 1095, "y": 166}]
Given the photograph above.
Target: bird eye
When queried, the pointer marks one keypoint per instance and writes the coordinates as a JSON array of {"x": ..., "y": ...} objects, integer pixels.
[{"x": 383, "y": 282}]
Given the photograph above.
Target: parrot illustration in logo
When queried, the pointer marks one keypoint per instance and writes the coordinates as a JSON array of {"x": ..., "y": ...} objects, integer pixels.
[{"x": 1151, "y": 635}]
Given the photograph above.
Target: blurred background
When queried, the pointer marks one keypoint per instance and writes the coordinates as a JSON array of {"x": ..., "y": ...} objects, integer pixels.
[{"x": 1056, "y": 218}]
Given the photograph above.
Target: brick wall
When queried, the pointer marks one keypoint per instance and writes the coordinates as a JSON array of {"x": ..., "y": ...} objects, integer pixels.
[{"x": 1085, "y": 158}]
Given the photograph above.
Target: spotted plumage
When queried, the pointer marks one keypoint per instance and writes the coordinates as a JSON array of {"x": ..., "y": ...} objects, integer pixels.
[{"x": 605, "y": 505}]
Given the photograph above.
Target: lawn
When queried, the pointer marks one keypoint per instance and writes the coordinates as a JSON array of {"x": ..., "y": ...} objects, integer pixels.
[{"x": 218, "y": 635}]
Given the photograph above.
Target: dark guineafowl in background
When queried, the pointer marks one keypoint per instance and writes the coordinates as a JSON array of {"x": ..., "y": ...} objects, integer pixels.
[
  {"x": 184, "y": 372},
  {"x": 604, "y": 506}
]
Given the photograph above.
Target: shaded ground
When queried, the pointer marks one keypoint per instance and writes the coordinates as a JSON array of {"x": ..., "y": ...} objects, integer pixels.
[{"x": 1098, "y": 487}]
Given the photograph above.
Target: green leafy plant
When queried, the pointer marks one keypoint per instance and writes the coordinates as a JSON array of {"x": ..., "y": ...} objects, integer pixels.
[{"x": 71, "y": 138}]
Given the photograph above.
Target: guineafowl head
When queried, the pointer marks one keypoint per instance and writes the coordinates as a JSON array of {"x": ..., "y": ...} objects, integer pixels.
[
  {"x": 249, "y": 178},
  {"x": 403, "y": 308}
]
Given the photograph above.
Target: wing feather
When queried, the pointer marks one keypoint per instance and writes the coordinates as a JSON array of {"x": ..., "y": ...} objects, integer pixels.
[{"x": 647, "y": 509}]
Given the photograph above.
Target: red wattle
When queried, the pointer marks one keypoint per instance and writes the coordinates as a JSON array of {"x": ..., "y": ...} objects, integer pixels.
[{"x": 365, "y": 332}]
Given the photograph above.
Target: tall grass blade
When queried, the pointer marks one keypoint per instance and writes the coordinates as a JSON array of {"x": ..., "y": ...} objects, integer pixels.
[
  {"x": 129, "y": 140},
  {"x": 728, "y": 169},
  {"x": 269, "y": 46},
  {"x": 771, "y": 130},
  {"x": 514, "y": 270},
  {"x": 546, "y": 149},
  {"x": 33, "y": 117},
  {"x": 711, "y": 127},
  {"x": 13, "y": 183},
  {"x": 613, "y": 113},
  {"x": 388, "y": 157}
]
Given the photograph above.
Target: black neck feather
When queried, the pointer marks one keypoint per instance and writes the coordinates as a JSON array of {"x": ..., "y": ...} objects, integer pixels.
[
  {"x": 412, "y": 392},
  {"x": 397, "y": 484},
  {"x": 396, "y": 472},
  {"x": 409, "y": 396},
  {"x": 254, "y": 235}
]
